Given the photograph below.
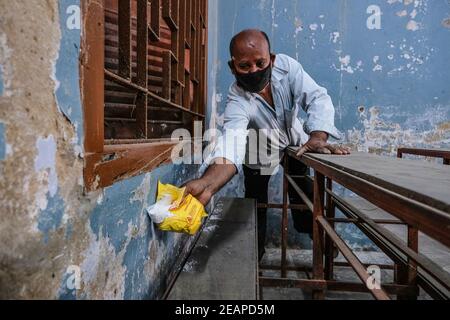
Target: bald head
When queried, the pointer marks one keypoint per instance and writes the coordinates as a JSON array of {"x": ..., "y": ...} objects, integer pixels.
[{"x": 249, "y": 40}]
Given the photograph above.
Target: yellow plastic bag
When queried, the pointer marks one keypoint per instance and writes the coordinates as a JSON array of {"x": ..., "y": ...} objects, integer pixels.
[{"x": 184, "y": 214}]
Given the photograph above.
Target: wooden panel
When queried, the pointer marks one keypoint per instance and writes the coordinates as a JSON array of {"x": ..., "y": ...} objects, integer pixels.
[
  {"x": 167, "y": 73},
  {"x": 142, "y": 67},
  {"x": 224, "y": 263},
  {"x": 169, "y": 63},
  {"x": 169, "y": 13}
]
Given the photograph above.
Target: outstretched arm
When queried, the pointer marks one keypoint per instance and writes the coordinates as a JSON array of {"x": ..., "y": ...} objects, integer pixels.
[{"x": 215, "y": 177}]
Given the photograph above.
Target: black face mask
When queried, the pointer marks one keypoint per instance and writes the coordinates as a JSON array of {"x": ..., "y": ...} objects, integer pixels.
[{"x": 255, "y": 81}]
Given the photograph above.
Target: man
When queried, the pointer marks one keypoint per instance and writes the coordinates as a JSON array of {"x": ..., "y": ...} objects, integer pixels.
[{"x": 269, "y": 93}]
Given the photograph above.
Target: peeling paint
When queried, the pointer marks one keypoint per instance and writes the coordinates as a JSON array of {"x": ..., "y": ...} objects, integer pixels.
[
  {"x": 334, "y": 36},
  {"x": 446, "y": 23},
  {"x": 50, "y": 219},
  {"x": 313, "y": 27},
  {"x": 69, "y": 100},
  {"x": 381, "y": 135},
  {"x": 6, "y": 71},
  {"x": 412, "y": 25},
  {"x": 46, "y": 161}
]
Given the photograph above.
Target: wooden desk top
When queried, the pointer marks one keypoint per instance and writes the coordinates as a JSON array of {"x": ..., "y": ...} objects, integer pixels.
[{"x": 426, "y": 182}]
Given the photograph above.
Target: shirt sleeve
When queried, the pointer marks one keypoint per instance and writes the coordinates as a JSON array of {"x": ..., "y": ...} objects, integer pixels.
[
  {"x": 232, "y": 143},
  {"x": 314, "y": 99}
]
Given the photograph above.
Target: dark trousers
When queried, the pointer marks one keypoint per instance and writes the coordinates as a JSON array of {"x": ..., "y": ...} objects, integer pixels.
[{"x": 256, "y": 187}]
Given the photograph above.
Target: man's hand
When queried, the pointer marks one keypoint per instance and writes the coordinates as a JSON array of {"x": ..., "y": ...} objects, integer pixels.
[
  {"x": 318, "y": 144},
  {"x": 199, "y": 188},
  {"x": 217, "y": 175}
]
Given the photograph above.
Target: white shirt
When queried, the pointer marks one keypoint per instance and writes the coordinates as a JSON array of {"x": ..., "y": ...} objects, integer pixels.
[{"x": 292, "y": 89}]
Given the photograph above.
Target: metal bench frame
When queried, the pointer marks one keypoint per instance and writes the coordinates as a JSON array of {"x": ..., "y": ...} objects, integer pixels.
[{"x": 411, "y": 269}]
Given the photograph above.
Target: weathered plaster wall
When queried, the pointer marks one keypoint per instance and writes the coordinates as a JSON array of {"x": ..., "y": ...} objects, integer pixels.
[
  {"x": 56, "y": 242},
  {"x": 384, "y": 62}
]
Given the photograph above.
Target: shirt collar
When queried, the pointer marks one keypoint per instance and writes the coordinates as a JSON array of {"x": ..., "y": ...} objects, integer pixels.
[{"x": 279, "y": 70}]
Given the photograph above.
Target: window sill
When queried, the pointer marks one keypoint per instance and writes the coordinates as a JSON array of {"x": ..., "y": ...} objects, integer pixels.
[{"x": 119, "y": 162}]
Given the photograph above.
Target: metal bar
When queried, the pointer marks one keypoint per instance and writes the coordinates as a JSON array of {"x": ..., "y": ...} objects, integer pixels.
[
  {"x": 124, "y": 15},
  {"x": 356, "y": 221},
  {"x": 378, "y": 293},
  {"x": 280, "y": 206},
  {"x": 284, "y": 221},
  {"x": 330, "y": 214},
  {"x": 113, "y": 77},
  {"x": 289, "y": 268},
  {"x": 300, "y": 193},
  {"x": 134, "y": 141},
  {"x": 436, "y": 153},
  {"x": 167, "y": 74},
  {"x": 142, "y": 69},
  {"x": 318, "y": 234},
  {"x": 293, "y": 283},
  {"x": 407, "y": 274},
  {"x": 422, "y": 261},
  {"x": 331, "y": 285},
  {"x": 366, "y": 265},
  {"x": 430, "y": 288},
  {"x": 412, "y": 212},
  {"x": 149, "y": 121},
  {"x": 397, "y": 257}
]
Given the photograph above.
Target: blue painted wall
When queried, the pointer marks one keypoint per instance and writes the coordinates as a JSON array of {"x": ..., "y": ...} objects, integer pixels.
[
  {"x": 119, "y": 218},
  {"x": 387, "y": 73},
  {"x": 58, "y": 241},
  {"x": 67, "y": 65}
]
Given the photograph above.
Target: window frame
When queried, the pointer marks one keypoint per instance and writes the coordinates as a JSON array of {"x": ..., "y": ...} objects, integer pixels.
[{"x": 106, "y": 164}]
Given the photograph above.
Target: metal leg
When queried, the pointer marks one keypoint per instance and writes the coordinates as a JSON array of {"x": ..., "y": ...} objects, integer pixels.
[
  {"x": 284, "y": 220},
  {"x": 407, "y": 274},
  {"x": 413, "y": 243},
  {"x": 329, "y": 252},
  {"x": 318, "y": 234}
]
